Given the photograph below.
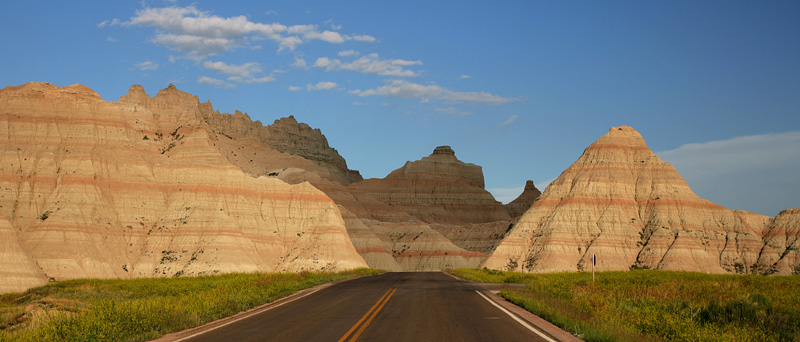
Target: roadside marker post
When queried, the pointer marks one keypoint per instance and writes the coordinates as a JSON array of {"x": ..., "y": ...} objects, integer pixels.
[{"x": 594, "y": 262}]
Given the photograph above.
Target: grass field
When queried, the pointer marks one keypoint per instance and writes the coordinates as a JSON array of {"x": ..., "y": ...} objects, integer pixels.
[
  {"x": 143, "y": 309},
  {"x": 649, "y": 305}
]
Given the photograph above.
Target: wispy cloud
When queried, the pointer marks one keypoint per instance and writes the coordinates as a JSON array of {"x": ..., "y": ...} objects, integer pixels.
[
  {"x": 299, "y": 63},
  {"x": 509, "y": 120},
  {"x": 463, "y": 77},
  {"x": 348, "y": 53},
  {"x": 364, "y": 38},
  {"x": 452, "y": 110},
  {"x": 404, "y": 89},
  {"x": 740, "y": 171},
  {"x": 321, "y": 86},
  {"x": 294, "y": 88},
  {"x": 147, "y": 65},
  {"x": 111, "y": 22},
  {"x": 200, "y": 34},
  {"x": 370, "y": 64},
  {"x": 242, "y": 73},
  {"x": 214, "y": 81}
]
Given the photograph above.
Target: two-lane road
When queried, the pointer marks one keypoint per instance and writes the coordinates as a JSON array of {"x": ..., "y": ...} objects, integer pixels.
[{"x": 421, "y": 306}]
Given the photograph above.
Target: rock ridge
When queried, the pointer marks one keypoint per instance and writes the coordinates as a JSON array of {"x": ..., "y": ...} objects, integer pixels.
[
  {"x": 621, "y": 202},
  {"x": 137, "y": 188}
]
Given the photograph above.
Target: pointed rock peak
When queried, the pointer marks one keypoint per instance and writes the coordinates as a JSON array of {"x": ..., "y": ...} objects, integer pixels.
[
  {"x": 136, "y": 90},
  {"x": 623, "y": 137},
  {"x": 529, "y": 186},
  {"x": 288, "y": 119},
  {"x": 136, "y": 94},
  {"x": 443, "y": 153},
  {"x": 171, "y": 89},
  {"x": 80, "y": 88},
  {"x": 529, "y": 195},
  {"x": 446, "y": 150},
  {"x": 171, "y": 93}
]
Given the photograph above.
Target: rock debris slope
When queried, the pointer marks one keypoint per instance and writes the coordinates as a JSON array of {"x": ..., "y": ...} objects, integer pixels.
[
  {"x": 621, "y": 202},
  {"x": 138, "y": 188}
]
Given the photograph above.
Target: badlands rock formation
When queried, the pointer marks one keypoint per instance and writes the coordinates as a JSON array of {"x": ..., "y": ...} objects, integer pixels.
[
  {"x": 448, "y": 196},
  {"x": 521, "y": 204},
  {"x": 619, "y": 201},
  {"x": 781, "y": 251},
  {"x": 141, "y": 188},
  {"x": 438, "y": 189}
]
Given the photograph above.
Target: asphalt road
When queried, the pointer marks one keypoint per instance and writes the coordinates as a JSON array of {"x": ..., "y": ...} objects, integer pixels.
[{"x": 416, "y": 307}]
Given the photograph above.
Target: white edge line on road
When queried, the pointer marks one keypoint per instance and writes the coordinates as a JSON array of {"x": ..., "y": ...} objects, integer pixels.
[
  {"x": 245, "y": 316},
  {"x": 520, "y": 321}
]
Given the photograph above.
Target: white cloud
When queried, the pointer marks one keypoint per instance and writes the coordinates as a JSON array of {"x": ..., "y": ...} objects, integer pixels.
[
  {"x": 245, "y": 70},
  {"x": 112, "y": 22},
  {"x": 363, "y": 38},
  {"x": 213, "y": 81},
  {"x": 463, "y": 77},
  {"x": 321, "y": 86},
  {"x": 756, "y": 173},
  {"x": 402, "y": 62},
  {"x": 509, "y": 121},
  {"x": 111, "y": 39},
  {"x": 333, "y": 25},
  {"x": 299, "y": 63},
  {"x": 370, "y": 64},
  {"x": 200, "y": 34},
  {"x": 147, "y": 65},
  {"x": 348, "y": 53},
  {"x": 191, "y": 21},
  {"x": 322, "y": 62},
  {"x": 404, "y": 89},
  {"x": 242, "y": 73},
  {"x": 196, "y": 47},
  {"x": 327, "y": 36},
  {"x": 294, "y": 88},
  {"x": 356, "y": 103},
  {"x": 264, "y": 79},
  {"x": 289, "y": 43}
]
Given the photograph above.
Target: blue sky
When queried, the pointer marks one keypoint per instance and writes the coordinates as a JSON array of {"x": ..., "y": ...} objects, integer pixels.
[{"x": 518, "y": 87}]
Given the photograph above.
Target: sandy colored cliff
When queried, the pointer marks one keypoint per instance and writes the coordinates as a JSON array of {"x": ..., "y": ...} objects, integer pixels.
[
  {"x": 137, "y": 188},
  {"x": 621, "y": 202}
]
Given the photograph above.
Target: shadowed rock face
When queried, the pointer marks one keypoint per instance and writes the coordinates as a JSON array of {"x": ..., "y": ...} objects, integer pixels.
[
  {"x": 621, "y": 202},
  {"x": 438, "y": 189},
  {"x": 521, "y": 204},
  {"x": 139, "y": 188}
]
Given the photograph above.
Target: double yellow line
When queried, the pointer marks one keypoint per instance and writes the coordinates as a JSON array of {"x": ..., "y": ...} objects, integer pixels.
[{"x": 371, "y": 314}]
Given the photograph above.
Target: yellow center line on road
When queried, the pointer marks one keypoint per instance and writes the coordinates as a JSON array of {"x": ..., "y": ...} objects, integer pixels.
[{"x": 379, "y": 305}]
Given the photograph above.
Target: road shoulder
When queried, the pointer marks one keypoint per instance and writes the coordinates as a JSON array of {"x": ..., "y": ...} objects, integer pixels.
[
  {"x": 201, "y": 329},
  {"x": 490, "y": 290}
]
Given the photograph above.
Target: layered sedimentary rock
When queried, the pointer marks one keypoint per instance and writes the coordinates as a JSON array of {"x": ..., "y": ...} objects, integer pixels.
[
  {"x": 137, "y": 188},
  {"x": 438, "y": 189},
  {"x": 781, "y": 251},
  {"x": 19, "y": 270},
  {"x": 622, "y": 203},
  {"x": 388, "y": 236},
  {"x": 523, "y": 202}
]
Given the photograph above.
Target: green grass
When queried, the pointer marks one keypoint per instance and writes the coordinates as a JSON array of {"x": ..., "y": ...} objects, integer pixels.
[
  {"x": 650, "y": 305},
  {"x": 143, "y": 309}
]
